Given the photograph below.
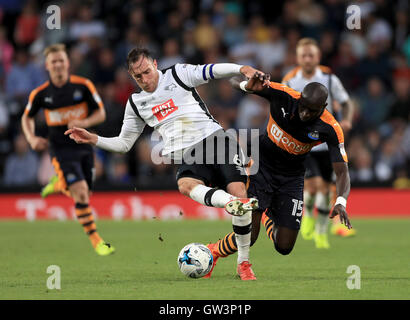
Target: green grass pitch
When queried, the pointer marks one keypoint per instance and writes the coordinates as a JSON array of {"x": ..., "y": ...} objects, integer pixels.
[{"x": 144, "y": 267}]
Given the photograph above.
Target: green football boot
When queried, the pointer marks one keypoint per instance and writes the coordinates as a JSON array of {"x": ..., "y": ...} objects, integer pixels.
[
  {"x": 50, "y": 188},
  {"x": 321, "y": 241},
  {"x": 104, "y": 249},
  {"x": 307, "y": 227}
]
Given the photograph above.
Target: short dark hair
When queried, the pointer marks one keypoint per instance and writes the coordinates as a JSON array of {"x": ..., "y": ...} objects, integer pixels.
[
  {"x": 315, "y": 93},
  {"x": 135, "y": 54}
]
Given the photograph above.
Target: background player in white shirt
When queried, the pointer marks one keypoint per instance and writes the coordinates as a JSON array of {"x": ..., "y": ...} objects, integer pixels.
[
  {"x": 169, "y": 103},
  {"x": 319, "y": 187}
]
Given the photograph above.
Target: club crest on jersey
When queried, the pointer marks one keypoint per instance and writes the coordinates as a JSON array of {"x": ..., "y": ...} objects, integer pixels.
[
  {"x": 48, "y": 99},
  {"x": 77, "y": 95},
  {"x": 163, "y": 110},
  {"x": 313, "y": 135}
]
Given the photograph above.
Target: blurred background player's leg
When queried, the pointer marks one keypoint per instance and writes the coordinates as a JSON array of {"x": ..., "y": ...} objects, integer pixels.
[
  {"x": 57, "y": 182},
  {"x": 54, "y": 186},
  {"x": 322, "y": 221},
  {"x": 307, "y": 227},
  {"x": 80, "y": 193},
  {"x": 323, "y": 172},
  {"x": 75, "y": 175}
]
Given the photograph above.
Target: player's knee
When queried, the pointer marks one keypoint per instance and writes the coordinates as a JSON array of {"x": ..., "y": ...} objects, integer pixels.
[
  {"x": 184, "y": 188},
  {"x": 83, "y": 196},
  {"x": 80, "y": 195},
  {"x": 237, "y": 189},
  {"x": 283, "y": 251}
]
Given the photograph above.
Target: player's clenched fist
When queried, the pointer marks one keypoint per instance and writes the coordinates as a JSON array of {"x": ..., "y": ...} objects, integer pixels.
[
  {"x": 80, "y": 135},
  {"x": 38, "y": 143}
]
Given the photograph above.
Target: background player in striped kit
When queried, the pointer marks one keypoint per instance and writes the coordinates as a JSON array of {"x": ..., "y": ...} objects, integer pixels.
[
  {"x": 319, "y": 179},
  {"x": 68, "y": 101},
  {"x": 169, "y": 102}
]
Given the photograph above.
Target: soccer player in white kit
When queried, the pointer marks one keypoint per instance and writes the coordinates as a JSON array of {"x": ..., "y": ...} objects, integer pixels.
[
  {"x": 319, "y": 172},
  {"x": 169, "y": 103}
]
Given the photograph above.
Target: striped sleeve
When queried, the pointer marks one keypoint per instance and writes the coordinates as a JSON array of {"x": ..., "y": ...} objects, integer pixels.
[{"x": 195, "y": 75}]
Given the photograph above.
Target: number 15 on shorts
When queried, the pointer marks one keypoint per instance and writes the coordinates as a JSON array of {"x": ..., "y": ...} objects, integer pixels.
[{"x": 297, "y": 207}]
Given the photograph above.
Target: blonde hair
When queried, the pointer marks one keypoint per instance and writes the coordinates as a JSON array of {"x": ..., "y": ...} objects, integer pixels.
[
  {"x": 54, "y": 48},
  {"x": 307, "y": 41}
]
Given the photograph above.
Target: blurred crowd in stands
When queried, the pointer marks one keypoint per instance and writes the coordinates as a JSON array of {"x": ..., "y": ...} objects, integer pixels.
[{"x": 372, "y": 62}]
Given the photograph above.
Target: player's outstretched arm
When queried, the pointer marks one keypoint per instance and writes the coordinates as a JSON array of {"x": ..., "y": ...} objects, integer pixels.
[
  {"x": 81, "y": 136},
  {"x": 257, "y": 82},
  {"x": 348, "y": 111},
  {"x": 343, "y": 190}
]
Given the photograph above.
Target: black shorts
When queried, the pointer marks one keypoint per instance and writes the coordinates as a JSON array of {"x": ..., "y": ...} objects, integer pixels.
[
  {"x": 281, "y": 196},
  {"x": 318, "y": 164},
  {"x": 73, "y": 165},
  {"x": 217, "y": 161}
]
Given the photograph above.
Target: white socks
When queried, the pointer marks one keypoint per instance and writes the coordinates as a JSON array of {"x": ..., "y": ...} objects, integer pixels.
[
  {"x": 242, "y": 226},
  {"x": 210, "y": 197},
  {"x": 308, "y": 200},
  {"x": 322, "y": 205}
]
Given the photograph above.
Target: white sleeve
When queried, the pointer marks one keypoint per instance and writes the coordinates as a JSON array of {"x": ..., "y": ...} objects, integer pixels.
[
  {"x": 338, "y": 91},
  {"x": 195, "y": 75},
  {"x": 131, "y": 129}
]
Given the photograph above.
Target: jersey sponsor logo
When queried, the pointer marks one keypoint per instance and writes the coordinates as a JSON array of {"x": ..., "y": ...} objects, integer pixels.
[
  {"x": 163, "y": 110},
  {"x": 48, "y": 99},
  {"x": 77, "y": 95},
  {"x": 313, "y": 135},
  {"x": 62, "y": 116},
  {"x": 285, "y": 141}
]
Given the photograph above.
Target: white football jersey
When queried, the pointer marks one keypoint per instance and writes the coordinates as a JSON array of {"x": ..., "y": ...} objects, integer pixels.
[
  {"x": 295, "y": 80},
  {"x": 174, "y": 109}
]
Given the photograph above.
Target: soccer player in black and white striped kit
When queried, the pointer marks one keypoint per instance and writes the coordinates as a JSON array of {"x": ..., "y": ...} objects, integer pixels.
[{"x": 169, "y": 102}]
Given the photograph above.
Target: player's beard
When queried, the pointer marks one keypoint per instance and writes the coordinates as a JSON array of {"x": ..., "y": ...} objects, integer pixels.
[
  {"x": 60, "y": 77},
  {"x": 309, "y": 70}
]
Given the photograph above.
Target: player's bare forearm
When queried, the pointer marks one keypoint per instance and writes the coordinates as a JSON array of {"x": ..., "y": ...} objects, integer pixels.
[
  {"x": 256, "y": 83},
  {"x": 342, "y": 179},
  {"x": 28, "y": 126},
  {"x": 342, "y": 190},
  {"x": 97, "y": 117},
  {"x": 348, "y": 110},
  {"x": 249, "y": 71}
]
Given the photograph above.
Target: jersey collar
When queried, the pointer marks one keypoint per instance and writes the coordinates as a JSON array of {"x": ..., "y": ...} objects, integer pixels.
[
  {"x": 64, "y": 85},
  {"x": 318, "y": 73}
]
